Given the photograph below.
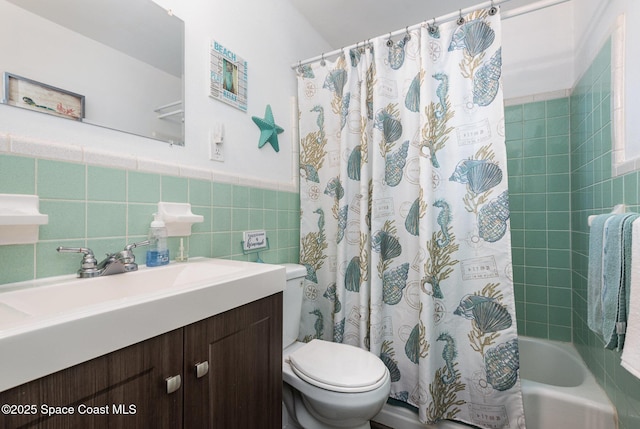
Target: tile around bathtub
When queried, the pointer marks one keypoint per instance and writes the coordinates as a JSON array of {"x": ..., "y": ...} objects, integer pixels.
[
  {"x": 534, "y": 129},
  {"x": 536, "y": 329},
  {"x": 535, "y": 110},
  {"x": 535, "y": 147},
  {"x": 558, "y": 107},
  {"x": 513, "y": 114},
  {"x": 560, "y": 333},
  {"x": 559, "y": 316}
]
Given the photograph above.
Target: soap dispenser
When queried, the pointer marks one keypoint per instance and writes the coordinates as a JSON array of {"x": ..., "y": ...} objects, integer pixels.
[{"x": 158, "y": 253}]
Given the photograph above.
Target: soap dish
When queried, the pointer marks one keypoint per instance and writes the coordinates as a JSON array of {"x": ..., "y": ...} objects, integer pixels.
[
  {"x": 178, "y": 218},
  {"x": 20, "y": 219}
]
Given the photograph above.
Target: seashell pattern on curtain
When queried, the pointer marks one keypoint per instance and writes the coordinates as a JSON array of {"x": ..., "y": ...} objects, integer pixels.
[{"x": 405, "y": 217}]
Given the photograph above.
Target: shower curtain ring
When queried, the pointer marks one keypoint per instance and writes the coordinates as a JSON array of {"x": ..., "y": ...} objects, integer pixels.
[
  {"x": 389, "y": 41},
  {"x": 493, "y": 10},
  {"x": 432, "y": 28},
  {"x": 408, "y": 35},
  {"x": 460, "y": 20},
  {"x": 299, "y": 66},
  {"x": 322, "y": 61}
]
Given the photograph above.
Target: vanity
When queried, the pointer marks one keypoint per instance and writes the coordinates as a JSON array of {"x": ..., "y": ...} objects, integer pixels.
[{"x": 192, "y": 345}]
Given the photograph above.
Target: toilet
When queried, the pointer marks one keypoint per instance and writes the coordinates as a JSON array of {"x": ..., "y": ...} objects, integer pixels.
[{"x": 326, "y": 385}]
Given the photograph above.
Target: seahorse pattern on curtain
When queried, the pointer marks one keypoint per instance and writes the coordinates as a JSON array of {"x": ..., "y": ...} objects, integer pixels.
[{"x": 405, "y": 217}]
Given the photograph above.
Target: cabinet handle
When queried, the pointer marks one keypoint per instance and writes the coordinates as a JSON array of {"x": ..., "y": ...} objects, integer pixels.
[
  {"x": 173, "y": 383},
  {"x": 202, "y": 369}
]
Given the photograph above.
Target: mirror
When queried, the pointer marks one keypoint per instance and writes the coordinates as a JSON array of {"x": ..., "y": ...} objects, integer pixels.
[{"x": 113, "y": 63}]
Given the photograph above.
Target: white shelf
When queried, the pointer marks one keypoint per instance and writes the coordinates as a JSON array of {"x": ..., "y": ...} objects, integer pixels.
[
  {"x": 178, "y": 218},
  {"x": 163, "y": 114},
  {"x": 20, "y": 219}
]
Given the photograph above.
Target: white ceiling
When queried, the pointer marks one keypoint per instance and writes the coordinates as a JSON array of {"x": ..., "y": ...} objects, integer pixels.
[{"x": 346, "y": 22}]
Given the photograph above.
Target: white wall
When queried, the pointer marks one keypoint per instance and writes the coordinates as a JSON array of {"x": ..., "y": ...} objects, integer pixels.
[
  {"x": 268, "y": 35},
  {"x": 543, "y": 51},
  {"x": 594, "y": 20},
  {"x": 537, "y": 51}
]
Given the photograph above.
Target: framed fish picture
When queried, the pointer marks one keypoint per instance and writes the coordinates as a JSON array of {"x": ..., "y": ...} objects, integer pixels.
[
  {"x": 228, "y": 77},
  {"x": 32, "y": 95}
]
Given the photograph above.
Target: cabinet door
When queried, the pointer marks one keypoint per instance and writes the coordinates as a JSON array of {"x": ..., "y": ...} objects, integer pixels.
[
  {"x": 243, "y": 388},
  {"x": 124, "y": 389}
]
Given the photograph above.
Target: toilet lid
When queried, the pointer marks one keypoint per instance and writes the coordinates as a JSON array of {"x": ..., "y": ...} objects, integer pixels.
[{"x": 338, "y": 367}]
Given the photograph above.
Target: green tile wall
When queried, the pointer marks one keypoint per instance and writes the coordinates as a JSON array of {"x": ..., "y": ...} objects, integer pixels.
[
  {"x": 106, "y": 208},
  {"x": 538, "y": 144},
  {"x": 594, "y": 190},
  {"x": 559, "y": 159}
]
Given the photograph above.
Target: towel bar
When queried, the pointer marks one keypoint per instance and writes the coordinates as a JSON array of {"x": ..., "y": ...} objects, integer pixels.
[{"x": 617, "y": 209}]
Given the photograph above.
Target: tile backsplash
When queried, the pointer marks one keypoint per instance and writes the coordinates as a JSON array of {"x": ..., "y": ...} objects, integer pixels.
[{"x": 106, "y": 208}]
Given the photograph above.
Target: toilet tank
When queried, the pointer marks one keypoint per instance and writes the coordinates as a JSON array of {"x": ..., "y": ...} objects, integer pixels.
[{"x": 292, "y": 303}]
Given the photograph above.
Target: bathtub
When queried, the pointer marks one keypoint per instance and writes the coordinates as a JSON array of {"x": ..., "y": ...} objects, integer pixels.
[{"x": 557, "y": 388}]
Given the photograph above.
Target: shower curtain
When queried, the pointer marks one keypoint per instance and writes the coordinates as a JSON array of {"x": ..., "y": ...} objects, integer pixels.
[{"x": 405, "y": 217}]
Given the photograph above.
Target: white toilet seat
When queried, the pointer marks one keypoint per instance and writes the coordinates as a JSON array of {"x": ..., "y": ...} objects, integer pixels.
[{"x": 338, "y": 367}]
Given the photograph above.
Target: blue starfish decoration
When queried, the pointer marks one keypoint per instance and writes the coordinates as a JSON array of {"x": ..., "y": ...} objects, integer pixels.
[{"x": 268, "y": 129}]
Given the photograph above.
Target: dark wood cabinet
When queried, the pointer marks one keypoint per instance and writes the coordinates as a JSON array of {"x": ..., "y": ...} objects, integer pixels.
[
  {"x": 123, "y": 389},
  {"x": 243, "y": 388},
  {"x": 128, "y": 388}
]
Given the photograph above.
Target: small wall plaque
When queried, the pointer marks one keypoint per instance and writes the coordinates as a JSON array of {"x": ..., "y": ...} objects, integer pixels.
[
  {"x": 254, "y": 240},
  {"x": 228, "y": 76}
]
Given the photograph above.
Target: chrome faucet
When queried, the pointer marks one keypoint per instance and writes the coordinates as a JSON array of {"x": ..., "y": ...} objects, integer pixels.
[{"x": 115, "y": 263}]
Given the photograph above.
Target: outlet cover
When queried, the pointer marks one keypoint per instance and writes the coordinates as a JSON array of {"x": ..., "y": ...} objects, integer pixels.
[{"x": 216, "y": 152}]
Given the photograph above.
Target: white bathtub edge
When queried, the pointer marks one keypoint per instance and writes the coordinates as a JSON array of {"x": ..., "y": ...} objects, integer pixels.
[{"x": 591, "y": 393}]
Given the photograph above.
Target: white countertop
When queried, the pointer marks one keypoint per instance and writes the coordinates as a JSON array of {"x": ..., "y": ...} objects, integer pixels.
[{"x": 50, "y": 324}]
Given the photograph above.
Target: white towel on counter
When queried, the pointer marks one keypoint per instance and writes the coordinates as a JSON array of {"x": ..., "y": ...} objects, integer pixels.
[{"x": 630, "y": 359}]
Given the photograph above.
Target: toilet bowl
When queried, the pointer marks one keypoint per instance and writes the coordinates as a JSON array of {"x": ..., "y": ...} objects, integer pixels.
[{"x": 327, "y": 385}]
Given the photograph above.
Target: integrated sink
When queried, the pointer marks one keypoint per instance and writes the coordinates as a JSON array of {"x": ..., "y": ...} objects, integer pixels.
[
  {"x": 9, "y": 315},
  {"x": 76, "y": 294},
  {"x": 51, "y": 324}
]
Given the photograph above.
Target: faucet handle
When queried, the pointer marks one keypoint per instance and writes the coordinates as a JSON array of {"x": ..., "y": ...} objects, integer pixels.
[
  {"x": 127, "y": 257},
  {"x": 128, "y": 247},
  {"x": 89, "y": 264}
]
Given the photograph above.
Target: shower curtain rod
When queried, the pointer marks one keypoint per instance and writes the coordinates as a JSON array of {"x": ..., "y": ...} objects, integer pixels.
[{"x": 542, "y": 4}]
